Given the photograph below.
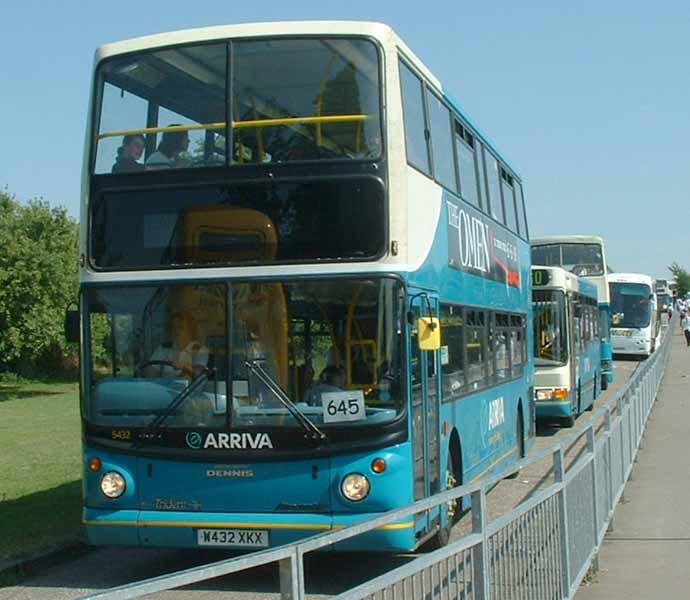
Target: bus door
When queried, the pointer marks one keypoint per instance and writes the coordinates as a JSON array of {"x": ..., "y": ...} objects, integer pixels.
[{"x": 425, "y": 395}]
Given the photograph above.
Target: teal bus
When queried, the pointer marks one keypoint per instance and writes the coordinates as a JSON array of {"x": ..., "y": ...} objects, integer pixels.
[
  {"x": 566, "y": 344},
  {"x": 585, "y": 256},
  {"x": 305, "y": 291}
]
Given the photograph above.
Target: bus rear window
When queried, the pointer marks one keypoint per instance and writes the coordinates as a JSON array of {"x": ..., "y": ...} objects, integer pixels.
[{"x": 251, "y": 223}]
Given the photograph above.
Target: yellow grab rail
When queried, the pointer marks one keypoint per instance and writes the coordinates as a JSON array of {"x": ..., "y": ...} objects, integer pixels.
[{"x": 258, "y": 123}]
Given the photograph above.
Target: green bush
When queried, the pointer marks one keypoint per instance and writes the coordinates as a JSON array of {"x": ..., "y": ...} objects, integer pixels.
[{"x": 38, "y": 279}]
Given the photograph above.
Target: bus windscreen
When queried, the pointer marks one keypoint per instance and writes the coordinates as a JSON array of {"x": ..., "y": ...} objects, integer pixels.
[
  {"x": 581, "y": 259},
  {"x": 550, "y": 331},
  {"x": 273, "y": 101},
  {"x": 630, "y": 305}
]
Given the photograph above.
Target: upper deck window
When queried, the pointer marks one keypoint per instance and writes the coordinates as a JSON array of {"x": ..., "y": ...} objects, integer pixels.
[
  {"x": 441, "y": 142},
  {"x": 466, "y": 157},
  {"x": 581, "y": 259},
  {"x": 493, "y": 186},
  {"x": 416, "y": 133},
  {"x": 291, "y": 100},
  {"x": 509, "y": 201}
]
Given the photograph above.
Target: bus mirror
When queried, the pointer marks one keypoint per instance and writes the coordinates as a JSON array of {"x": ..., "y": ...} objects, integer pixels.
[
  {"x": 72, "y": 326},
  {"x": 429, "y": 332}
]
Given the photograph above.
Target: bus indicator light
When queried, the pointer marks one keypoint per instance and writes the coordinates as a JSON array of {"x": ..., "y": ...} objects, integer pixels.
[
  {"x": 378, "y": 465},
  {"x": 95, "y": 464}
]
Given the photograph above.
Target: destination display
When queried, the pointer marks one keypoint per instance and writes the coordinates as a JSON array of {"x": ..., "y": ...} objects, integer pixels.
[
  {"x": 477, "y": 245},
  {"x": 540, "y": 277}
]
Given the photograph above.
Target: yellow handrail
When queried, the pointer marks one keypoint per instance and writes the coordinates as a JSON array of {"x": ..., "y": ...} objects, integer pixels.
[
  {"x": 259, "y": 123},
  {"x": 146, "y": 130}
]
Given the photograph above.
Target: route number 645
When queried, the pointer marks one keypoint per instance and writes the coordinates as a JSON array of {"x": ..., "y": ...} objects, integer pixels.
[{"x": 343, "y": 406}]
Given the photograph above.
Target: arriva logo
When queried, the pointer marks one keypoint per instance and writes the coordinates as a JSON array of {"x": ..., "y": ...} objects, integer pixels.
[
  {"x": 229, "y": 441},
  {"x": 193, "y": 440}
]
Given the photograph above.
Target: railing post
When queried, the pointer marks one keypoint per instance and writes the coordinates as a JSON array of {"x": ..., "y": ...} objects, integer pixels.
[
  {"x": 559, "y": 476},
  {"x": 632, "y": 438},
  {"x": 291, "y": 572},
  {"x": 480, "y": 558},
  {"x": 591, "y": 447},
  {"x": 609, "y": 471},
  {"x": 621, "y": 411},
  {"x": 644, "y": 400}
]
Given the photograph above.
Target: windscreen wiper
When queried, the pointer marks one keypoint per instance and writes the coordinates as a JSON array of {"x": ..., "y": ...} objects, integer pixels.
[
  {"x": 178, "y": 400},
  {"x": 266, "y": 378}
]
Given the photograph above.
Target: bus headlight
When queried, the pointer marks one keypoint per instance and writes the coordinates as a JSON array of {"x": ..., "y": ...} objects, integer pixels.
[
  {"x": 552, "y": 394},
  {"x": 355, "y": 487},
  {"x": 113, "y": 484}
]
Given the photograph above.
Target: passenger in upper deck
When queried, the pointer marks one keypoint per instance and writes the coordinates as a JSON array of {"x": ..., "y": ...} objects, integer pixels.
[
  {"x": 128, "y": 154},
  {"x": 167, "y": 156}
]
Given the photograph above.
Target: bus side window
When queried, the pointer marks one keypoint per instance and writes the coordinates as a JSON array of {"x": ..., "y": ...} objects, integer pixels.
[
  {"x": 516, "y": 346},
  {"x": 441, "y": 142},
  {"x": 509, "y": 201},
  {"x": 502, "y": 346},
  {"x": 415, "y": 125},
  {"x": 452, "y": 355},
  {"x": 520, "y": 206},
  {"x": 476, "y": 348},
  {"x": 467, "y": 165},
  {"x": 493, "y": 186}
]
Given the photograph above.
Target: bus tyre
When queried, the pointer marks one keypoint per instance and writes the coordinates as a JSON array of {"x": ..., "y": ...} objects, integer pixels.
[{"x": 604, "y": 383}]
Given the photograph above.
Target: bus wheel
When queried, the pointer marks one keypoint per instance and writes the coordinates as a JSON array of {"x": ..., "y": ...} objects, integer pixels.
[{"x": 604, "y": 383}]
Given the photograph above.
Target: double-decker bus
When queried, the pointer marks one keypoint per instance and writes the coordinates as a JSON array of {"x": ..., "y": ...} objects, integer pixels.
[
  {"x": 634, "y": 314},
  {"x": 584, "y": 256},
  {"x": 304, "y": 290},
  {"x": 566, "y": 344}
]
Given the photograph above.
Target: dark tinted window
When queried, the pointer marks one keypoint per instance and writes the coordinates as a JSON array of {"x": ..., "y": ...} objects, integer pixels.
[
  {"x": 452, "y": 351},
  {"x": 247, "y": 223},
  {"x": 509, "y": 201},
  {"x": 441, "y": 142},
  {"x": 466, "y": 156},
  {"x": 493, "y": 178},
  {"x": 520, "y": 206},
  {"x": 413, "y": 113},
  {"x": 475, "y": 346}
]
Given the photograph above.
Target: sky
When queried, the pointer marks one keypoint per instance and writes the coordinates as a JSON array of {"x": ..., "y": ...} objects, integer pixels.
[{"x": 588, "y": 100}]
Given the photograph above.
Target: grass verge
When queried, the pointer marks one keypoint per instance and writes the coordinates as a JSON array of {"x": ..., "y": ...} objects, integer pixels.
[{"x": 40, "y": 467}]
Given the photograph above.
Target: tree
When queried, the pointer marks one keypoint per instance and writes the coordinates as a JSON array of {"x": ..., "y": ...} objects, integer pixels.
[
  {"x": 682, "y": 279},
  {"x": 38, "y": 279}
]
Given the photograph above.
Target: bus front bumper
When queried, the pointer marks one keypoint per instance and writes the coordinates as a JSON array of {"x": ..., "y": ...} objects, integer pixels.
[
  {"x": 171, "y": 529},
  {"x": 553, "y": 408},
  {"x": 632, "y": 346}
]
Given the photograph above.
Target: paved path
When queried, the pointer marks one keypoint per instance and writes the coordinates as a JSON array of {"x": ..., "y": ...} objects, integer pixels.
[{"x": 647, "y": 555}]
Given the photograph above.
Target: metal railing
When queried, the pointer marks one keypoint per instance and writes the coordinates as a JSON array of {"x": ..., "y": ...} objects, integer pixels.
[{"x": 542, "y": 549}]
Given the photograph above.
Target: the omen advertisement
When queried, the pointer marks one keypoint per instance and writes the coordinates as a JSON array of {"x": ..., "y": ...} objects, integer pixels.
[{"x": 479, "y": 246}]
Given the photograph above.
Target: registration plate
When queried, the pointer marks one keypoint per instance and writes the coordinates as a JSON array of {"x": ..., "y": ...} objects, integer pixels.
[{"x": 237, "y": 538}]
